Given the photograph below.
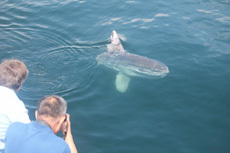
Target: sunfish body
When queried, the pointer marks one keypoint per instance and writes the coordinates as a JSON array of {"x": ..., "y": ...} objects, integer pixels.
[{"x": 128, "y": 64}]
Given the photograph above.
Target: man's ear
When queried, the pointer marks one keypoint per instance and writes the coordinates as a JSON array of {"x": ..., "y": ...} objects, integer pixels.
[
  {"x": 19, "y": 87},
  {"x": 36, "y": 114}
]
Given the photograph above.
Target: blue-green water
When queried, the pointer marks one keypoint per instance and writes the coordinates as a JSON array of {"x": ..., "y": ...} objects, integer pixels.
[{"x": 185, "y": 112}]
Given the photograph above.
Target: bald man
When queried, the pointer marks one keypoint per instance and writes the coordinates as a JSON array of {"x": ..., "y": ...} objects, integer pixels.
[{"x": 40, "y": 136}]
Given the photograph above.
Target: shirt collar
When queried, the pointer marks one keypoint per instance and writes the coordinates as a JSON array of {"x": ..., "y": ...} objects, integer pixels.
[{"x": 42, "y": 122}]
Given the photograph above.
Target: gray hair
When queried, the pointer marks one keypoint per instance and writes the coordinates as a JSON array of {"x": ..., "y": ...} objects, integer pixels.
[
  {"x": 12, "y": 73},
  {"x": 52, "y": 106}
]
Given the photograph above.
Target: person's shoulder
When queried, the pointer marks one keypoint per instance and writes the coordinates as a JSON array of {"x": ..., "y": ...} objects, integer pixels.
[
  {"x": 16, "y": 125},
  {"x": 14, "y": 128},
  {"x": 59, "y": 143},
  {"x": 6, "y": 91},
  {"x": 58, "y": 139}
]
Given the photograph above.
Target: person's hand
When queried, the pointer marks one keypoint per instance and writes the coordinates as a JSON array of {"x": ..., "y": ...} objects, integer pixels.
[
  {"x": 66, "y": 130},
  {"x": 64, "y": 126}
]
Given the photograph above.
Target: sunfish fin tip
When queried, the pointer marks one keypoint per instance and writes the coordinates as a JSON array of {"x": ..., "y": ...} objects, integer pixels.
[{"x": 122, "y": 82}]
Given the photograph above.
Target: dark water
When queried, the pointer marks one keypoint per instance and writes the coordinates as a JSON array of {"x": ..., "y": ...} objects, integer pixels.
[{"x": 185, "y": 112}]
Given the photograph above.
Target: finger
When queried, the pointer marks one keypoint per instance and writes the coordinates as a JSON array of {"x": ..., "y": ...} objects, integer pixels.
[
  {"x": 68, "y": 117},
  {"x": 69, "y": 124}
]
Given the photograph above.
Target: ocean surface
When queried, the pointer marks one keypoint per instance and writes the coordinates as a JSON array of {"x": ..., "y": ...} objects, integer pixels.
[{"x": 187, "y": 111}]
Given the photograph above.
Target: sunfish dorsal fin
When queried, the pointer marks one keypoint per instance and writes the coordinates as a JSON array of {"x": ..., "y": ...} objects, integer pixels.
[
  {"x": 122, "y": 82},
  {"x": 115, "y": 45}
]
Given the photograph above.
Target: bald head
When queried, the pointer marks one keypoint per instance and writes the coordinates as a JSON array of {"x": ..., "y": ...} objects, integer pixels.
[{"x": 52, "y": 106}]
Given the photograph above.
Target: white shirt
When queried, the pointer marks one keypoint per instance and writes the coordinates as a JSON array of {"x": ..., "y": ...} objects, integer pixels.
[{"x": 12, "y": 109}]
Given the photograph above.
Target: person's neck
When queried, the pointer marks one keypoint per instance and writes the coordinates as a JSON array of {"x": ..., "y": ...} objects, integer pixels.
[
  {"x": 42, "y": 122},
  {"x": 47, "y": 120}
]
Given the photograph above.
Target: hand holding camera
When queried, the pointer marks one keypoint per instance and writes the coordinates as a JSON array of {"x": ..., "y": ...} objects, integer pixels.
[
  {"x": 66, "y": 126},
  {"x": 66, "y": 130}
]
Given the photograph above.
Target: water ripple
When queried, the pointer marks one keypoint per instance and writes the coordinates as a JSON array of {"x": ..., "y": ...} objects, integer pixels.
[{"x": 58, "y": 63}]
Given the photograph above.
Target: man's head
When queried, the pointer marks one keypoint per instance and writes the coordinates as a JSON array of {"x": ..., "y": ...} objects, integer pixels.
[
  {"x": 52, "y": 109},
  {"x": 12, "y": 74}
]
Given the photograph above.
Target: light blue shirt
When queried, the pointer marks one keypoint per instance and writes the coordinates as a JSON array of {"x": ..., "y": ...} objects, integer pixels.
[
  {"x": 33, "y": 138},
  {"x": 12, "y": 109}
]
